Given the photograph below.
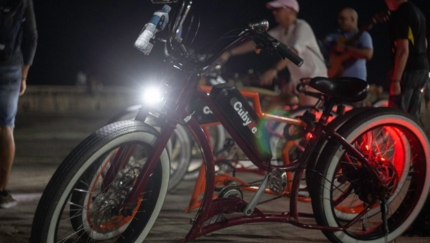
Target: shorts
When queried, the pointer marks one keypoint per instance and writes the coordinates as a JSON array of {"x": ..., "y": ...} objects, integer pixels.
[{"x": 10, "y": 85}]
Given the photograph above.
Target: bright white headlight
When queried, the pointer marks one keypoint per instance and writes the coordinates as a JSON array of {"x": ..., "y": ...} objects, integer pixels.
[{"x": 152, "y": 96}]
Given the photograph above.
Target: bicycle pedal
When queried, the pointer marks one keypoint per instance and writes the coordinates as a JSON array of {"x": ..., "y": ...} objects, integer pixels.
[{"x": 277, "y": 181}]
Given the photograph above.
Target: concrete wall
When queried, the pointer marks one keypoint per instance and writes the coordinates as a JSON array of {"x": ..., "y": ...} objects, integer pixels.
[{"x": 73, "y": 99}]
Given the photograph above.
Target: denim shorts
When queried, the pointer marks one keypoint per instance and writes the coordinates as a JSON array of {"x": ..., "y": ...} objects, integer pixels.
[{"x": 10, "y": 84}]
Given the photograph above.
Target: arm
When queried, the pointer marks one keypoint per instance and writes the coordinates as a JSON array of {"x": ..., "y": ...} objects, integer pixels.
[
  {"x": 359, "y": 53},
  {"x": 400, "y": 59},
  {"x": 364, "y": 48},
  {"x": 239, "y": 50},
  {"x": 24, "y": 71},
  {"x": 29, "y": 43},
  {"x": 270, "y": 74},
  {"x": 301, "y": 37},
  {"x": 243, "y": 49}
]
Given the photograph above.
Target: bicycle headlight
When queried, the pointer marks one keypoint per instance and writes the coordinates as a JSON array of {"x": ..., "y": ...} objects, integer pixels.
[{"x": 152, "y": 96}]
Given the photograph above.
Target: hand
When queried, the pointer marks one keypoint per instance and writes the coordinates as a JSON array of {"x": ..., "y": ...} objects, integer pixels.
[
  {"x": 223, "y": 58},
  {"x": 23, "y": 87},
  {"x": 339, "y": 47},
  {"x": 395, "y": 88},
  {"x": 268, "y": 77}
]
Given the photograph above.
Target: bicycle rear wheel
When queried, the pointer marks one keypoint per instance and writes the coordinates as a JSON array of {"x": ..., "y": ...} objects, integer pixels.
[
  {"x": 83, "y": 201},
  {"x": 383, "y": 136}
]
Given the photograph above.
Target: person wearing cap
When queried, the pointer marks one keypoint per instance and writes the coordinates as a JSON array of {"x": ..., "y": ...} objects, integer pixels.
[
  {"x": 296, "y": 34},
  {"x": 349, "y": 59}
]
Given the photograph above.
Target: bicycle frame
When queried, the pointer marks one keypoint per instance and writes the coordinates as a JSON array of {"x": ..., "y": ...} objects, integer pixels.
[
  {"x": 221, "y": 179},
  {"x": 210, "y": 207}
]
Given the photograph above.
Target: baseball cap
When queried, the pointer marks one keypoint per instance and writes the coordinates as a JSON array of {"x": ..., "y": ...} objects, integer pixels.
[{"x": 284, "y": 3}]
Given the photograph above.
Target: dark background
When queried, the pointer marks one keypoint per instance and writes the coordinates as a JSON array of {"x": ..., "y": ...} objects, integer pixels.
[{"x": 97, "y": 36}]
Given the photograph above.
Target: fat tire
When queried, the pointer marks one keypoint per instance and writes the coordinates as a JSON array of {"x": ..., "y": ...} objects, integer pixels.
[
  {"x": 78, "y": 161},
  {"x": 321, "y": 203}
]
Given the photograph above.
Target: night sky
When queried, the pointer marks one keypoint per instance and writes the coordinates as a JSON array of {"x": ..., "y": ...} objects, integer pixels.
[{"x": 98, "y": 35}]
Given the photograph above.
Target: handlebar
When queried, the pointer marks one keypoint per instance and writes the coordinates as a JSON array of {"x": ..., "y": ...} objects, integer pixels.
[
  {"x": 286, "y": 52},
  {"x": 180, "y": 57},
  {"x": 265, "y": 41}
]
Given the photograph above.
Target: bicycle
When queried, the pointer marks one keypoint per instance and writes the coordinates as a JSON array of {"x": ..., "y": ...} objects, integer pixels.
[{"x": 112, "y": 185}]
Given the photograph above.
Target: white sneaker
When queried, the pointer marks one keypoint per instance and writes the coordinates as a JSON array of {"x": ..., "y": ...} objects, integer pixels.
[{"x": 6, "y": 200}]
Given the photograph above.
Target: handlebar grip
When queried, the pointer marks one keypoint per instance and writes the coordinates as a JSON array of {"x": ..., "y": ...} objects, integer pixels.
[{"x": 285, "y": 52}]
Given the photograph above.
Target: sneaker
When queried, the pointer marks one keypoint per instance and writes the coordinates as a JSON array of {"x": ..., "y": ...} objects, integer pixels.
[{"x": 6, "y": 200}]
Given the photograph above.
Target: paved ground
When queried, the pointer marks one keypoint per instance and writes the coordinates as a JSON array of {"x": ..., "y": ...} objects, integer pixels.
[{"x": 44, "y": 140}]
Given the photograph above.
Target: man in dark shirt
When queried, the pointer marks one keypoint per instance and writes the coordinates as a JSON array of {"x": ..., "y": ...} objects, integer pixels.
[
  {"x": 16, "y": 57},
  {"x": 410, "y": 69}
]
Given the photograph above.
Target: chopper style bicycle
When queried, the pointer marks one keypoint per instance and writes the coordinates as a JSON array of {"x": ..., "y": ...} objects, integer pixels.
[{"x": 112, "y": 186}]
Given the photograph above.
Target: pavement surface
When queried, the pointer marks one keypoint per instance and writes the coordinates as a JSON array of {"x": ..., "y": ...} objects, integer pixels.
[{"x": 43, "y": 141}]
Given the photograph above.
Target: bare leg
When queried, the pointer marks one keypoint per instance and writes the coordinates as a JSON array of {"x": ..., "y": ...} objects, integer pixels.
[{"x": 7, "y": 153}]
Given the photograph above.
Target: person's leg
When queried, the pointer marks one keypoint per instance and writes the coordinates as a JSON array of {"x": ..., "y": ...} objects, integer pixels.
[
  {"x": 412, "y": 83},
  {"x": 415, "y": 104},
  {"x": 10, "y": 82},
  {"x": 417, "y": 97},
  {"x": 7, "y": 153},
  {"x": 406, "y": 98}
]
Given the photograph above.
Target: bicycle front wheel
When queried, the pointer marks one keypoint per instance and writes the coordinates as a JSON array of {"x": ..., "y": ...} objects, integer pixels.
[
  {"x": 398, "y": 150},
  {"x": 83, "y": 202},
  {"x": 179, "y": 146}
]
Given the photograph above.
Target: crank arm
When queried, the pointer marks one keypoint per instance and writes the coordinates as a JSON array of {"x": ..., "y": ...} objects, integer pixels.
[{"x": 249, "y": 209}]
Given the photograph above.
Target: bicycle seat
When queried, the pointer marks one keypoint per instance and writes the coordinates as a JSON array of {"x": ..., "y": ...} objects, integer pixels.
[{"x": 346, "y": 89}]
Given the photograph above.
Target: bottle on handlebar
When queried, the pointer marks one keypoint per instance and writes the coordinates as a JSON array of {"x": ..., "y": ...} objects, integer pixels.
[{"x": 158, "y": 22}]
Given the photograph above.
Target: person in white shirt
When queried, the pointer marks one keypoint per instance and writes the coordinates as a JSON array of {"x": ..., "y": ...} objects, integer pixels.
[{"x": 296, "y": 34}]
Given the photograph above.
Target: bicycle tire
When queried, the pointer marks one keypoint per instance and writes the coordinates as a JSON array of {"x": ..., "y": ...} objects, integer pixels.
[
  {"x": 218, "y": 137},
  {"x": 80, "y": 162},
  {"x": 335, "y": 124},
  {"x": 332, "y": 168},
  {"x": 179, "y": 146}
]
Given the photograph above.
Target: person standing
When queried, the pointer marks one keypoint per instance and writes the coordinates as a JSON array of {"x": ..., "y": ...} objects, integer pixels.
[
  {"x": 18, "y": 41},
  {"x": 296, "y": 34},
  {"x": 349, "y": 59},
  {"x": 410, "y": 66}
]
